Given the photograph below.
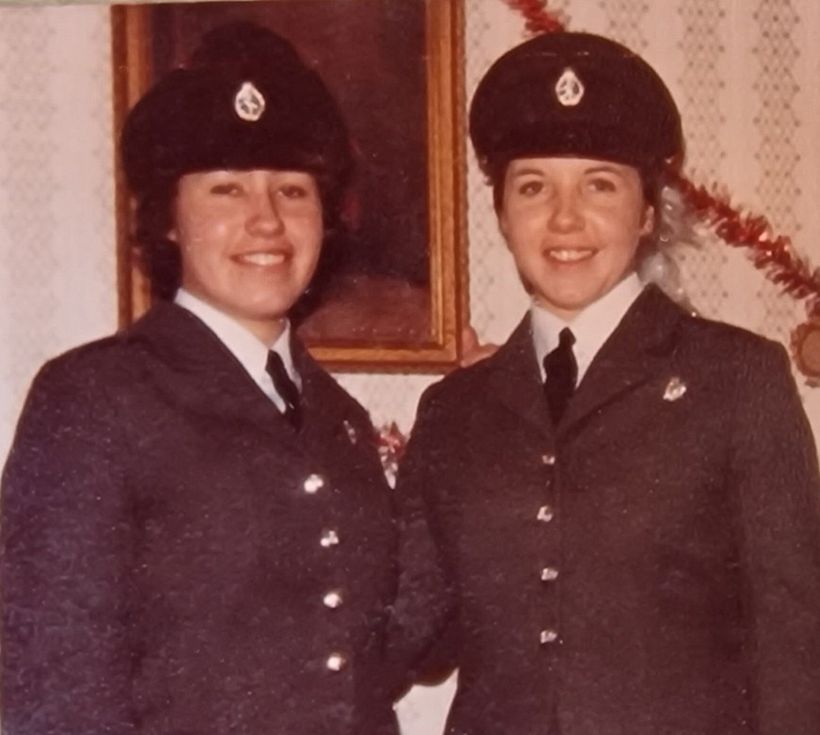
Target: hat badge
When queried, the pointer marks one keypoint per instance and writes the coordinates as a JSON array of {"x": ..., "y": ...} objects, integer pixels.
[
  {"x": 569, "y": 90},
  {"x": 249, "y": 104}
]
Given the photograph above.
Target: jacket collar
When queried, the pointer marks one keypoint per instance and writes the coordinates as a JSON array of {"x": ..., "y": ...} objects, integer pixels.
[
  {"x": 515, "y": 379},
  {"x": 639, "y": 348},
  {"x": 200, "y": 371}
]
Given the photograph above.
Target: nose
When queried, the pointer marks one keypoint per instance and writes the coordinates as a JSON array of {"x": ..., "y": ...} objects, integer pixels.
[
  {"x": 565, "y": 212},
  {"x": 264, "y": 218}
]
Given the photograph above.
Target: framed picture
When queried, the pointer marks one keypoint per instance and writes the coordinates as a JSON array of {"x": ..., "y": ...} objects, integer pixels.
[{"x": 398, "y": 298}]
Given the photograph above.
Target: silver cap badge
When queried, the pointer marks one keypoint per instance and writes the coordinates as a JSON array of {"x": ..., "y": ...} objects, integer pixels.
[
  {"x": 249, "y": 104},
  {"x": 569, "y": 89}
]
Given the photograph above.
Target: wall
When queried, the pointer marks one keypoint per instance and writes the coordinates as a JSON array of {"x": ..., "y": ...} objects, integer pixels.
[{"x": 743, "y": 71}]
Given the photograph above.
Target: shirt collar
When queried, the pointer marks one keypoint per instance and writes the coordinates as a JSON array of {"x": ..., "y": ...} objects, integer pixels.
[
  {"x": 251, "y": 352},
  {"x": 591, "y": 327}
]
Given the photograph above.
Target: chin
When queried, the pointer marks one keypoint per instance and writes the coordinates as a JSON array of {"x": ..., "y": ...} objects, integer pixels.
[{"x": 267, "y": 315}]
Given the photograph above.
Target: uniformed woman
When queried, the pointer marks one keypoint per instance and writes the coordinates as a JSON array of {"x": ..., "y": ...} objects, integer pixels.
[
  {"x": 624, "y": 498},
  {"x": 196, "y": 532}
]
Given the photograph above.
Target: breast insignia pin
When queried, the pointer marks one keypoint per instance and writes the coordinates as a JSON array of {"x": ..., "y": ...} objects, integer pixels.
[
  {"x": 675, "y": 390},
  {"x": 352, "y": 434}
]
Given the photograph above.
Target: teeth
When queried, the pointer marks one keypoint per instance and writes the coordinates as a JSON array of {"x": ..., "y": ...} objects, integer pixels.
[
  {"x": 567, "y": 255},
  {"x": 262, "y": 259}
]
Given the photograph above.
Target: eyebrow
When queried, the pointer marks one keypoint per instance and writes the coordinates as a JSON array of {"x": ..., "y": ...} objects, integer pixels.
[
  {"x": 528, "y": 172},
  {"x": 597, "y": 168},
  {"x": 604, "y": 168}
]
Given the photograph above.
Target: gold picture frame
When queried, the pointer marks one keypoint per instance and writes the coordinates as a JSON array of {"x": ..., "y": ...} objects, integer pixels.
[{"x": 427, "y": 309}]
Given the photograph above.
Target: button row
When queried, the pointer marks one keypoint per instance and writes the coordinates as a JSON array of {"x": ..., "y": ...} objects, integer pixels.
[
  {"x": 548, "y": 574},
  {"x": 330, "y": 537}
]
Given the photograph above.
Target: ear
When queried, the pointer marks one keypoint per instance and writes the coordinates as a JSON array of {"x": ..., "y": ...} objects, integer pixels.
[{"x": 648, "y": 223}]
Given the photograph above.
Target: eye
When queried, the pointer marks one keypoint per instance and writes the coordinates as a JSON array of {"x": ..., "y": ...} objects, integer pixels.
[
  {"x": 228, "y": 188},
  {"x": 602, "y": 184},
  {"x": 293, "y": 191},
  {"x": 530, "y": 188}
]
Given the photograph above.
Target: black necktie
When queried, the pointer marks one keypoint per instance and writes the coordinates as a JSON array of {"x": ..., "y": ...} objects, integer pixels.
[
  {"x": 285, "y": 387},
  {"x": 562, "y": 372}
]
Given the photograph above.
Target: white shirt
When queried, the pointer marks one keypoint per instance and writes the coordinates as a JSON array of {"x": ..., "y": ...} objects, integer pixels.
[
  {"x": 591, "y": 327},
  {"x": 246, "y": 347}
]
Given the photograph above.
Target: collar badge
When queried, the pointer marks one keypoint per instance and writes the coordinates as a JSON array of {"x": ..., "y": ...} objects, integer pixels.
[
  {"x": 249, "y": 104},
  {"x": 352, "y": 434},
  {"x": 569, "y": 90}
]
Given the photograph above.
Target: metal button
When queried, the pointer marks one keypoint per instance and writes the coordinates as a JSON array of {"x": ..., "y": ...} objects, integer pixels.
[
  {"x": 545, "y": 514},
  {"x": 313, "y": 483},
  {"x": 329, "y": 538},
  {"x": 548, "y": 635},
  {"x": 333, "y": 599},
  {"x": 549, "y": 574},
  {"x": 548, "y": 459},
  {"x": 336, "y": 661}
]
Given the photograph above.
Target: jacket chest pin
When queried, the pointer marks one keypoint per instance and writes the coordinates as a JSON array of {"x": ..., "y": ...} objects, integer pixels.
[
  {"x": 313, "y": 483},
  {"x": 350, "y": 430},
  {"x": 675, "y": 389}
]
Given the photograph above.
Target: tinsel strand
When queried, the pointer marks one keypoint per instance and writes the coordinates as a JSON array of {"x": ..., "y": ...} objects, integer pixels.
[
  {"x": 537, "y": 18},
  {"x": 772, "y": 254}
]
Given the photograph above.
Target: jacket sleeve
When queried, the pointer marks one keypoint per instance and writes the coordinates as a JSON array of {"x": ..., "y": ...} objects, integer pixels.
[
  {"x": 775, "y": 475},
  {"x": 64, "y": 549},
  {"x": 423, "y": 632}
]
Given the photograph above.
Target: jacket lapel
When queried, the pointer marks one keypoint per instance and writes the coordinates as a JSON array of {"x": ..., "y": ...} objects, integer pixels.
[
  {"x": 516, "y": 379},
  {"x": 199, "y": 371},
  {"x": 639, "y": 349},
  {"x": 320, "y": 392}
]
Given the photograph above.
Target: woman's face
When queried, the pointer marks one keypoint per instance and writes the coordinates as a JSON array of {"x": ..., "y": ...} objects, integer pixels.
[
  {"x": 573, "y": 226},
  {"x": 249, "y": 242}
]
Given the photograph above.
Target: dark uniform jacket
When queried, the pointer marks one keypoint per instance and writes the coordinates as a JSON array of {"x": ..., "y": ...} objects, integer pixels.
[
  {"x": 650, "y": 566},
  {"x": 169, "y": 543}
]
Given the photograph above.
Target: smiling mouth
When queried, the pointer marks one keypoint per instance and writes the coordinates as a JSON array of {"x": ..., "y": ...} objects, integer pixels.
[
  {"x": 570, "y": 255},
  {"x": 264, "y": 259}
]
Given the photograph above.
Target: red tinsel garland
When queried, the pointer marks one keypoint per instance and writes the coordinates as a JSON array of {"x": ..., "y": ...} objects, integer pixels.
[
  {"x": 390, "y": 444},
  {"x": 773, "y": 254},
  {"x": 537, "y": 18}
]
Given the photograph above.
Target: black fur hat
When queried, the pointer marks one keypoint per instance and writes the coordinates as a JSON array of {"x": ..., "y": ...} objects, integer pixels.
[
  {"x": 245, "y": 101},
  {"x": 575, "y": 94}
]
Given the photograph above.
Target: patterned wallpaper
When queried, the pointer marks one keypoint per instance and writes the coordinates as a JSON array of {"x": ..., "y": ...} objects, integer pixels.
[
  {"x": 744, "y": 75},
  {"x": 56, "y": 190}
]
